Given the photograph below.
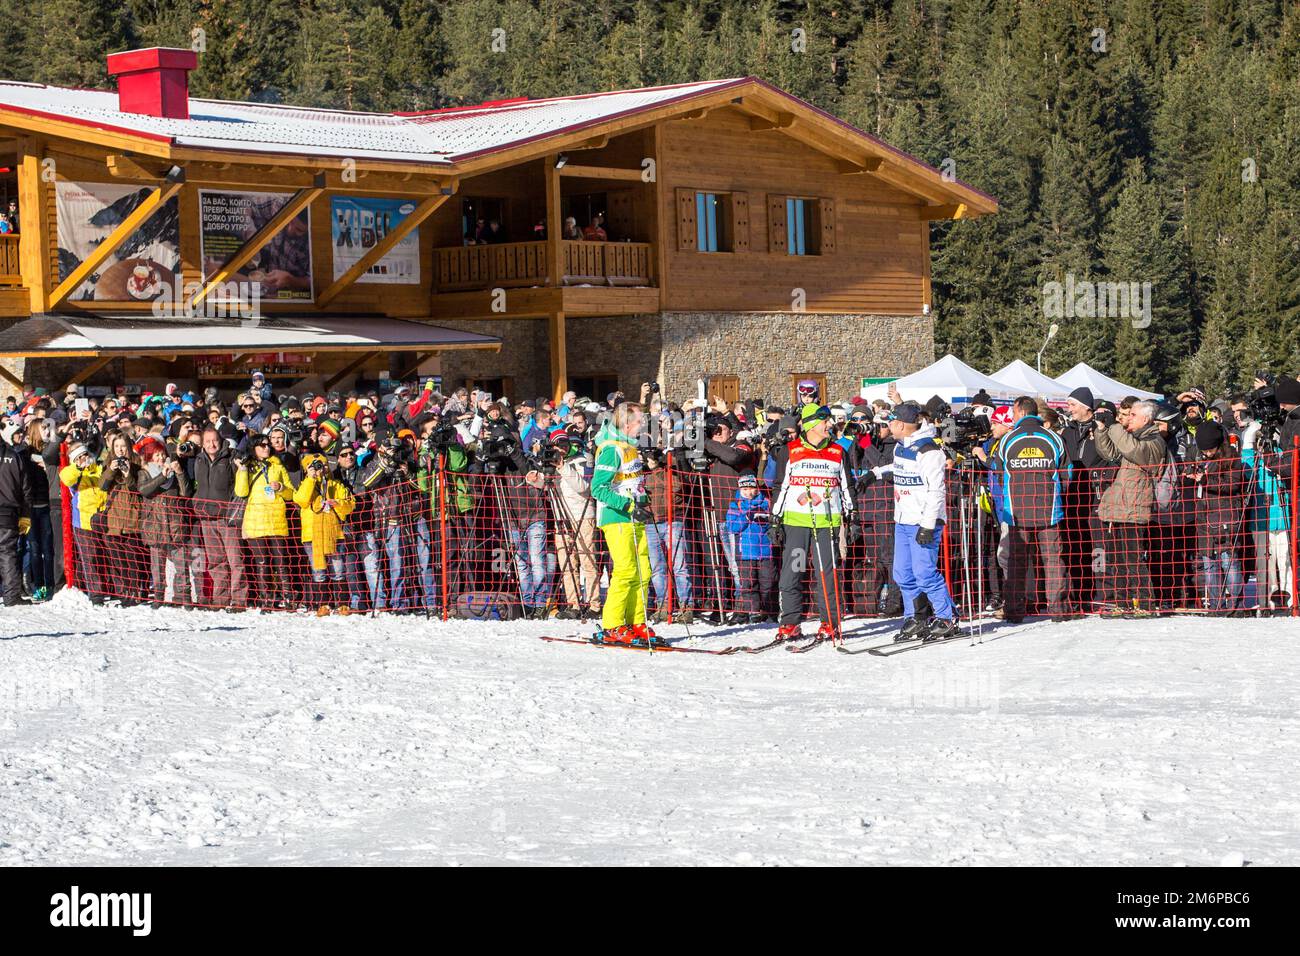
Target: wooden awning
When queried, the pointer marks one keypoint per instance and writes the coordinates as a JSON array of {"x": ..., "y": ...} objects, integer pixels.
[{"x": 60, "y": 335}]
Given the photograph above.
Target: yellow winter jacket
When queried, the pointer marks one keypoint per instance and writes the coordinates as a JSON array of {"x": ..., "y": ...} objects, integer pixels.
[
  {"x": 322, "y": 527},
  {"x": 264, "y": 516},
  {"x": 88, "y": 499}
]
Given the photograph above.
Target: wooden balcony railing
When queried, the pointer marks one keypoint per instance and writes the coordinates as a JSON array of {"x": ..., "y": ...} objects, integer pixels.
[
  {"x": 10, "y": 272},
  {"x": 514, "y": 264}
]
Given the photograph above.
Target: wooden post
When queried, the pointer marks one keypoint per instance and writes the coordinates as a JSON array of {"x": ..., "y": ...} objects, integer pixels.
[
  {"x": 554, "y": 227},
  {"x": 559, "y": 360},
  {"x": 34, "y": 227},
  {"x": 86, "y": 372}
]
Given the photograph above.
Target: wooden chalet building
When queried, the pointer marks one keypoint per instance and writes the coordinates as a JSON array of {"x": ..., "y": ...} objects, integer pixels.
[{"x": 751, "y": 240}]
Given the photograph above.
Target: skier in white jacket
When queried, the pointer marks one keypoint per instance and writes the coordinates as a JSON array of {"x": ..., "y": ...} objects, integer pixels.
[{"x": 920, "y": 511}]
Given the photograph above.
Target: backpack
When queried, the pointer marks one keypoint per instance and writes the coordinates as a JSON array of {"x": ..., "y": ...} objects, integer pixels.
[
  {"x": 1167, "y": 483},
  {"x": 488, "y": 606}
]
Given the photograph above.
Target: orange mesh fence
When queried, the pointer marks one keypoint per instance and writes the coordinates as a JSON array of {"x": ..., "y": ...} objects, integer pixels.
[{"x": 1196, "y": 537}]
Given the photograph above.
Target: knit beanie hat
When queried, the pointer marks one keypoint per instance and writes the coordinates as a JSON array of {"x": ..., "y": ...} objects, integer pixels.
[{"x": 1209, "y": 435}]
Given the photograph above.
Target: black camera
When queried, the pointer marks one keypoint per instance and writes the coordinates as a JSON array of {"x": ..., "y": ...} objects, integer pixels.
[
  {"x": 317, "y": 467},
  {"x": 187, "y": 449},
  {"x": 654, "y": 388},
  {"x": 443, "y": 438},
  {"x": 965, "y": 430},
  {"x": 547, "y": 460},
  {"x": 497, "y": 449}
]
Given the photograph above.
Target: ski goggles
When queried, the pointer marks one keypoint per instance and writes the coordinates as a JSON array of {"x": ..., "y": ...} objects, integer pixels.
[{"x": 823, "y": 414}]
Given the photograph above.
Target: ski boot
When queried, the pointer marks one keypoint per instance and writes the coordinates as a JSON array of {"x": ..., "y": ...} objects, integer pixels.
[
  {"x": 912, "y": 629},
  {"x": 827, "y": 632},
  {"x": 616, "y": 635},
  {"x": 940, "y": 629},
  {"x": 789, "y": 632},
  {"x": 643, "y": 635}
]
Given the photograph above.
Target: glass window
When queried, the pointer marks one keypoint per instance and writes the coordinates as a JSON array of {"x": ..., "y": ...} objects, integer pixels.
[
  {"x": 711, "y": 223},
  {"x": 798, "y": 226}
]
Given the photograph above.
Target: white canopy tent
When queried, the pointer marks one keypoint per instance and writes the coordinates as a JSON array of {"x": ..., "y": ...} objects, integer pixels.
[
  {"x": 1030, "y": 381},
  {"x": 950, "y": 378},
  {"x": 1101, "y": 386}
]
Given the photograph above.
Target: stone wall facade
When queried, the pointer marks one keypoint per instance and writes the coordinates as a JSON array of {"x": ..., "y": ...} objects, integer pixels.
[{"x": 676, "y": 349}]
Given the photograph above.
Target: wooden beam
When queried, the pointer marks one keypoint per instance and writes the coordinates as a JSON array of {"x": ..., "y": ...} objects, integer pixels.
[
  {"x": 86, "y": 372},
  {"x": 559, "y": 358},
  {"x": 554, "y": 223},
  {"x": 849, "y": 167},
  {"x": 601, "y": 172},
  {"x": 34, "y": 227},
  {"x": 951, "y": 211},
  {"x": 596, "y": 142},
  {"x": 381, "y": 249},
  {"x": 99, "y": 255},
  {"x": 352, "y": 366},
  {"x": 288, "y": 212},
  {"x": 11, "y": 378},
  {"x": 780, "y": 121},
  {"x": 124, "y": 167},
  {"x": 414, "y": 367}
]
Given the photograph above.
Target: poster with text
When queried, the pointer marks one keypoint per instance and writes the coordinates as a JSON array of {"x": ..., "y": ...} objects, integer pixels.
[
  {"x": 358, "y": 224},
  {"x": 282, "y": 267},
  {"x": 142, "y": 267}
]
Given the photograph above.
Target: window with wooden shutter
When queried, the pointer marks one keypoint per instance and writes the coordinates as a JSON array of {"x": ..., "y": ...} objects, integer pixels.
[
  {"x": 776, "y": 224},
  {"x": 686, "y": 226},
  {"x": 826, "y": 222},
  {"x": 740, "y": 222}
]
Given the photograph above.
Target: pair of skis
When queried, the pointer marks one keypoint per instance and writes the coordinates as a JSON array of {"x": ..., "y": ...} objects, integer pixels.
[{"x": 649, "y": 648}]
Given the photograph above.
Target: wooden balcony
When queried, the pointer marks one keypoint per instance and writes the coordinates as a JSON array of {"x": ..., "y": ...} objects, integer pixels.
[
  {"x": 10, "y": 273},
  {"x": 522, "y": 264}
]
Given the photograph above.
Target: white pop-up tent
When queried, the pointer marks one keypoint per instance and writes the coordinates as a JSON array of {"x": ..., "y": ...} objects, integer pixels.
[
  {"x": 1101, "y": 386},
  {"x": 1030, "y": 381},
  {"x": 950, "y": 378}
]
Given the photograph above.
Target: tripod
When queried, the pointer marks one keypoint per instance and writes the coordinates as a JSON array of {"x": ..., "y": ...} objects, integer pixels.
[
  {"x": 704, "y": 497},
  {"x": 569, "y": 530},
  {"x": 503, "y": 516}
]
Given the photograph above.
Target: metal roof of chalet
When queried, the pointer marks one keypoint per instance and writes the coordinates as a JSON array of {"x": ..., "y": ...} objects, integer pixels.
[
  {"x": 441, "y": 139},
  {"x": 439, "y": 136}
]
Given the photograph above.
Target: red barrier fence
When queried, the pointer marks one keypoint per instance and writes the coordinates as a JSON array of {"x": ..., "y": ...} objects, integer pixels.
[{"x": 1206, "y": 536}]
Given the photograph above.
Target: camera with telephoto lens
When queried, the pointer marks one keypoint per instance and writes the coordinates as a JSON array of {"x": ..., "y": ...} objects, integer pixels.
[
  {"x": 443, "y": 438},
  {"x": 317, "y": 467},
  {"x": 693, "y": 438},
  {"x": 1262, "y": 406},
  {"x": 497, "y": 447},
  {"x": 547, "y": 460},
  {"x": 187, "y": 449},
  {"x": 963, "y": 431}
]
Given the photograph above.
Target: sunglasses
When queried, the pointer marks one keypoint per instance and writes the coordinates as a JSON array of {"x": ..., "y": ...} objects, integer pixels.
[{"x": 347, "y": 454}]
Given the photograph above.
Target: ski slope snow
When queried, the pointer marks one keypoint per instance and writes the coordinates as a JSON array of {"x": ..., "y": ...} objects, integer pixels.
[{"x": 171, "y": 737}]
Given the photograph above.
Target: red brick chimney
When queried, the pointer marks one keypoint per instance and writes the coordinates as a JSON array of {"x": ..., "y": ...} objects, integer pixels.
[{"x": 154, "y": 82}]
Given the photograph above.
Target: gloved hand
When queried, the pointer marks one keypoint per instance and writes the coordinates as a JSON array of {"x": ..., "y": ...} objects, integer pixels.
[
  {"x": 925, "y": 536},
  {"x": 642, "y": 515},
  {"x": 776, "y": 532},
  {"x": 854, "y": 531},
  {"x": 866, "y": 481},
  {"x": 428, "y": 385},
  {"x": 24, "y": 525}
]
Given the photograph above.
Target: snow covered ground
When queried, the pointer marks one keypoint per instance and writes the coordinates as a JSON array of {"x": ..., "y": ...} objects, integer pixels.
[{"x": 138, "y": 736}]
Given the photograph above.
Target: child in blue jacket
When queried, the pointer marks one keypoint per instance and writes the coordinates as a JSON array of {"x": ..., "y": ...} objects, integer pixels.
[{"x": 747, "y": 518}]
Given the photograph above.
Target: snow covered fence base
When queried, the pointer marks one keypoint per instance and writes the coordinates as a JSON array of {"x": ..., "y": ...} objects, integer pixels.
[{"x": 131, "y": 736}]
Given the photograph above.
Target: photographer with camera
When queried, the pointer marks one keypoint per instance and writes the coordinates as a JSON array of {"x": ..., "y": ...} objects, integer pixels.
[
  {"x": 261, "y": 480},
  {"x": 870, "y": 564},
  {"x": 388, "y": 482},
  {"x": 164, "y": 485},
  {"x": 16, "y": 493},
  {"x": 575, "y": 533},
  {"x": 1287, "y": 394},
  {"x": 1082, "y": 527},
  {"x": 1269, "y": 515},
  {"x": 442, "y": 452},
  {"x": 667, "y": 539},
  {"x": 727, "y": 458},
  {"x": 250, "y": 421},
  {"x": 1126, "y": 505},
  {"x": 81, "y": 476},
  {"x": 119, "y": 481},
  {"x": 812, "y": 501},
  {"x": 324, "y": 503}
]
